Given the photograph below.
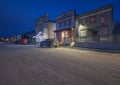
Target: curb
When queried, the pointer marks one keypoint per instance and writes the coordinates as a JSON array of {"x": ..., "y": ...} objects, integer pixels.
[{"x": 98, "y": 50}]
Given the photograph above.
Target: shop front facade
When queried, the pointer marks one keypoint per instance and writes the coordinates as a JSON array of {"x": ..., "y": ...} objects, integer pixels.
[
  {"x": 45, "y": 28},
  {"x": 65, "y": 27},
  {"x": 94, "y": 29}
]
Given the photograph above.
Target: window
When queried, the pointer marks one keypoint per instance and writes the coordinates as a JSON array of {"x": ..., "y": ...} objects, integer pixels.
[
  {"x": 66, "y": 33},
  {"x": 83, "y": 33},
  {"x": 92, "y": 19},
  {"x": 44, "y": 25},
  {"x": 60, "y": 24},
  {"x": 69, "y": 22},
  {"x": 64, "y": 23}
]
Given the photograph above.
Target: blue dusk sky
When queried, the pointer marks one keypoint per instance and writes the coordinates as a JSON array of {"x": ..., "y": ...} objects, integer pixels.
[{"x": 18, "y": 16}]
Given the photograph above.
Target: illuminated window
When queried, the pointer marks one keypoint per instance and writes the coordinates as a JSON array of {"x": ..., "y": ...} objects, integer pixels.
[
  {"x": 62, "y": 34},
  {"x": 83, "y": 33},
  {"x": 66, "y": 33}
]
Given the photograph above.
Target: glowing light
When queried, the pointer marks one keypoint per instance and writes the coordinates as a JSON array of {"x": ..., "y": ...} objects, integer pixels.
[
  {"x": 62, "y": 34},
  {"x": 81, "y": 30},
  {"x": 81, "y": 27},
  {"x": 72, "y": 44},
  {"x": 39, "y": 37}
]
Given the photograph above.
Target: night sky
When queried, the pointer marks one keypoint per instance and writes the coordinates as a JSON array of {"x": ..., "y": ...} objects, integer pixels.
[{"x": 18, "y": 16}]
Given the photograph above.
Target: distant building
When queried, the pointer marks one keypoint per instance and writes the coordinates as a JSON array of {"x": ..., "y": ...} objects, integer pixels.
[
  {"x": 30, "y": 36},
  {"x": 65, "y": 27},
  {"x": 12, "y": 39},
  {"x": 45, "y": 26}
]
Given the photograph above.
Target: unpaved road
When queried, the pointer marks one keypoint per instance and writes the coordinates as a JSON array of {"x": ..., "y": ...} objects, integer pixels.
[{"x": 31, "y": 65}]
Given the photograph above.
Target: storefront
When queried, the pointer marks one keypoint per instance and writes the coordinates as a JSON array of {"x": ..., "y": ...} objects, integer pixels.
[
  {"x": 65, "y": 27},
  {"x": 43, "y": 24},
  {"x": 94, "y": 28},
  {"x": 95, "y": 25},
  {"x": 65, "y": 36}
]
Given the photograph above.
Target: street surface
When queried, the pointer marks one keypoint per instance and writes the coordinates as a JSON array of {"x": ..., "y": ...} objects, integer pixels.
[{"x": 32, "y": 65}]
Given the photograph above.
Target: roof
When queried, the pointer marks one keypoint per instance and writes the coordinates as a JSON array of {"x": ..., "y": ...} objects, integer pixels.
[
  {"x": 31, "y": 32},
  {"x": 96, "y": 10},
  {"x": 44, "y": 17},
  {"x": 66, "y": 13}
]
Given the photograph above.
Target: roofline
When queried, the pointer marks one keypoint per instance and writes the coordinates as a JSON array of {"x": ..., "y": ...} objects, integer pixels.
[
  {"x": 51, "y": 21},
  {"x": 96, "y": 10},
  {"x": 67, "y": 12},
  {"x": 41, "y": 17}
]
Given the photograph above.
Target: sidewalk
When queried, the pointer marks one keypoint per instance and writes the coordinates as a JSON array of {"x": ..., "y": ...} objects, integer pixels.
[
  {"x": 2, "y": 43},
  {"x": 95, "y": 49}
]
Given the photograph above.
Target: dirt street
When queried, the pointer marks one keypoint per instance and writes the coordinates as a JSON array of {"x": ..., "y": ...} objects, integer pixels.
[{"x": 31, "y": 65}]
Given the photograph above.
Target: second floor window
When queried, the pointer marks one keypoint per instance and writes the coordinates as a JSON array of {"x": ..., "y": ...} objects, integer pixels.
[
  {"x": 64, "y": 23},
  {"x": 69, "y": 22},
  {"x": 60, "y": 24}
]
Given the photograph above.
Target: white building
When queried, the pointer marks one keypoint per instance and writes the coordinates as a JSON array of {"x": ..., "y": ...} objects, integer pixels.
[{"x": 45, "y": 26}]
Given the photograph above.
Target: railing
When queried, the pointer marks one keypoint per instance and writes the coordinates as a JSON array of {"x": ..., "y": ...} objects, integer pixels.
[{"x": 105, "y": 38}]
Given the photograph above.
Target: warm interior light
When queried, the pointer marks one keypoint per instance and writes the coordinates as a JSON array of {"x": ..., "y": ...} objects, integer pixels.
[
  {"x": 81, "y": 27},
  {"x": 72, "y": 44},
  {"x": 62, "y": 34},
  {"x": 81, "y": 30}
]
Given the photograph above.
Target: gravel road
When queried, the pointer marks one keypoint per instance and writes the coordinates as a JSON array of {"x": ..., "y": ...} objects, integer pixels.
[{"x": 31, "y": 65}]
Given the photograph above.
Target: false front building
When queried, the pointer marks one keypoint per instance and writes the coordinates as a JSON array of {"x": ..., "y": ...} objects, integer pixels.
[
  {"x": 95, "y": 29},
  {"x": 45, "y": 28},
  {"x": 65, "y": 27}
]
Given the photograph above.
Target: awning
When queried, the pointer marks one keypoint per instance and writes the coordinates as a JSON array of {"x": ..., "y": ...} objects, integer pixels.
[{"x": 62, "y": 29}]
